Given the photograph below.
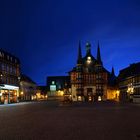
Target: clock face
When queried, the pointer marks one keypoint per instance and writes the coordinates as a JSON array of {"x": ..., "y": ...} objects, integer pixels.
[{"x": 88, "y": 59}]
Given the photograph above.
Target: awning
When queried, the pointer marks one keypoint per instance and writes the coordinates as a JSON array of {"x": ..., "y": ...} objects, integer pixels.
[{"x": 8, "y": 87}]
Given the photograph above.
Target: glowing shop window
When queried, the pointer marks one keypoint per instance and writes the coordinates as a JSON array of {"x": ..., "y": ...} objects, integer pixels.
[{"x": 79, "y": 98}]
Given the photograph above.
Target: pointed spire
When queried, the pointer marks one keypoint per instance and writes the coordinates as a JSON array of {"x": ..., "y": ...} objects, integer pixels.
[
  {"x": 112, "y": 72},
  {"x": 79, "y": 51},
  {"x": 79, "y": 60},
  {"x": 98, "y": 55}
]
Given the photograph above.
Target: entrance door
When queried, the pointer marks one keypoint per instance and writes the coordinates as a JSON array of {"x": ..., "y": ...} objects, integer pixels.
[{"x": 89, "y": 94}]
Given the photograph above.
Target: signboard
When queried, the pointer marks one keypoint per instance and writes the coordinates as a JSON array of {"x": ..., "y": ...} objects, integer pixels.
[{"x": 52, "y": 87}]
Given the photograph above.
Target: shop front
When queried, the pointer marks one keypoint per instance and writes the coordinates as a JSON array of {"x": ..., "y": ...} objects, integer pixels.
[{"x": 8, "y": 94}]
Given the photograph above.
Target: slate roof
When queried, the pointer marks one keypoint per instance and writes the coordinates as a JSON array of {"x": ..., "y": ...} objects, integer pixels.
[{"x": 132, "y": 70}]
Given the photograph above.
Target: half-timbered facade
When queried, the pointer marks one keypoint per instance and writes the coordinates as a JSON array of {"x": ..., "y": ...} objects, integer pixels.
[{"x": 89, "y": 79}]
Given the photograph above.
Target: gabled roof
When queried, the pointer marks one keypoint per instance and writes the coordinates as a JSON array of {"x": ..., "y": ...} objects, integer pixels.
[
  {"x": 132, "y": 70},
  {"x": 25, "y": 78},
  {"x": 85, "y": 58},
  {"x": 99, "y": 55}
]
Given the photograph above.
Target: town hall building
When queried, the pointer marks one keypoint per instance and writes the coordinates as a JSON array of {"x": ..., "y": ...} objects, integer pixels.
[{"x": 89, "y": 79}]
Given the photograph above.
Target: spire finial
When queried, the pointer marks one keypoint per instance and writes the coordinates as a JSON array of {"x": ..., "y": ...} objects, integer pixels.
[
  {"x": 88, "y": 48},
  {"x": 112, "y": 72}
]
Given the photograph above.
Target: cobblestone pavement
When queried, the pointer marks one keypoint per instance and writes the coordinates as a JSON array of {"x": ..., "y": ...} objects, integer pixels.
[{"x": 50, "y": 120}]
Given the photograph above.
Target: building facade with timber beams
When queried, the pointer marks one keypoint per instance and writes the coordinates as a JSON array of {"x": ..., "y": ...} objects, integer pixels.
[{"x": 89, "y": 79}]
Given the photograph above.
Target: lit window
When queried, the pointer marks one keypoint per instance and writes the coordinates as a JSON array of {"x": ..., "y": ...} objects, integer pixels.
[
  {"x": 53, "y": 82},
  {"x": 99, "y": 98},
  {"x": 79, "y": 98},
  {"x": 89, "y": 98},
  {"x": 88, "y": 59}
]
